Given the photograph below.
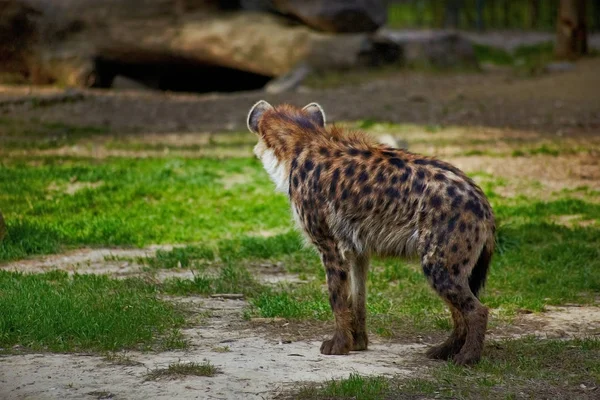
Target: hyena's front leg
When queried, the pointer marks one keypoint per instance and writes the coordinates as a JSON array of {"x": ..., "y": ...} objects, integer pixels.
[
  {"x": 360, "y": 269},
  {"x": 339, "y": 289}
]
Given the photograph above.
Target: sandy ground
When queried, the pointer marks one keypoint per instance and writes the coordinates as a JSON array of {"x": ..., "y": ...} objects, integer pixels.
[{"x": 265, "y": 357}]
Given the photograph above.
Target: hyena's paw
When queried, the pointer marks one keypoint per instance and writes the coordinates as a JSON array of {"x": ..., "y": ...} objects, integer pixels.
[
  {"x": 338, "y": 345},
  {"x": 360, "y": 341},
  {"x": 465, "y": 358},
  {"x": 442, "y": 351},
  {"x": 446, "y": 350}
]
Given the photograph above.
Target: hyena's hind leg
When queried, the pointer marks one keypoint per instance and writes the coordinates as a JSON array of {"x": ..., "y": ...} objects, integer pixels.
[
  {"x": 338, "y": 269},
  {"x": 455, "y": 342},
  {"x": 359, "y": 275},
  {"x": 455, "y": 290}
]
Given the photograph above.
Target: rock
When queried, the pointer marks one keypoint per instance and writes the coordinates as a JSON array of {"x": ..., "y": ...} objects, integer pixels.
[
  {"x": 2, "y": 227},
  {"x": 290, "y": 81},
  {"x": 336, "y": 15},
  {"x": 442, "y": 49},
  {"x": 172, "y": 45}
]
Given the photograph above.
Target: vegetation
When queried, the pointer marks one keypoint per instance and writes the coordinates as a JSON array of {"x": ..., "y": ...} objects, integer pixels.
[
  {"x": 180, "y": 369},
  {"x": 55, "y": 312},
  {"x": 228, "y": 223},
  {"x": 517, "y": 368}
]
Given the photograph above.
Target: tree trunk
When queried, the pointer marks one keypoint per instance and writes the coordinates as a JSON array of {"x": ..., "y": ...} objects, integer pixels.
[
  {"x": 534, "y": 13},
  {"x": 571, "y": 32}
]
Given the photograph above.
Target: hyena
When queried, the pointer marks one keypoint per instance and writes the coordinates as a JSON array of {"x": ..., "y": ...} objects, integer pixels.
[{"x": 354, "y": 198}]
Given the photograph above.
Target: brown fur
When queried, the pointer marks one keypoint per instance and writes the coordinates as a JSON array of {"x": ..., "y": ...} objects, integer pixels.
[{"x": 354, "y": 198}]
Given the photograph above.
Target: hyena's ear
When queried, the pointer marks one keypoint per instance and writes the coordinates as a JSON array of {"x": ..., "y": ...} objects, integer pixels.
[
  {"x": 316, "y": 113},
  {"x": 256, "y": 113}
]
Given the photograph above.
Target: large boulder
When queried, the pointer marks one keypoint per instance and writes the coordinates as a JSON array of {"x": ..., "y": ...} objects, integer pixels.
[
  {"x": 440, "y": 49},
  {"x": 87, "y": 43},
  {"x": 336, "y": 15}
]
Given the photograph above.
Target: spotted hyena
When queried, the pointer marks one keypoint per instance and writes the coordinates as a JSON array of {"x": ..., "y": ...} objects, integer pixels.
[{"x": 354, "y": 198}]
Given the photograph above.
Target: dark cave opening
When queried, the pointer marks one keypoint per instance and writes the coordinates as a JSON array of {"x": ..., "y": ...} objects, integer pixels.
[{"x": 178, "y": 75}]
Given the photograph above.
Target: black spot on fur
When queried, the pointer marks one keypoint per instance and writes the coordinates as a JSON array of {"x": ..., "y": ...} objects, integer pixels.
[
  {"x": 427, "y": 268},
  {"x": 405, "y": 175},
  {"x": 455, "y": 269},
  {"x": 474, "y": 207},
  {"x": 363, "y": 176},
  {"x": 302, "y": 174},
  {"x": 366, "y": 154},
  {"x": 392, "y": 192},
  {"x": 366, "y": 190},
  {"x": 316, "y": 177},
  {"x": 465, "y": 261},
  {"x": 345, "y": 194},
  {"x": 323, "y": 151},
  {"x": 295, "y": 181},
  {"x": 439, "y": 177},
  {"x": 456, "y": 202},
  {"x": 394, "y": 180},
  {"x": 421, "y": 174},
  {"x": 380, "y": 177},
  {"x": 349, "y": 171},
  {"x": 298, "y": 150},
  {"x": 454, "y": 248},
  {"x": 436, "y": 201},
  {"x": 309, "y": 165},
  {"x": 343, "y": 275},
  {"x": 294, "y": 164},
  {"x": 389, "y": 153},
  {"x": 397, "y": 162},
  {"x": 418, "y": 187},
  {"x": 369, "y": 204},
  {"x": 334, "y": 181},
  {"x": 462, "y": 226},
  {"x": 353, "y": 152},
  {"x": 452, "y": 223},
  {"x": 451, "y": 191}
]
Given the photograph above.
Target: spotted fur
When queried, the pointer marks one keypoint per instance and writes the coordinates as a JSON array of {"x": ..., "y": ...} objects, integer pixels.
[{"x": 354, "y": 198}]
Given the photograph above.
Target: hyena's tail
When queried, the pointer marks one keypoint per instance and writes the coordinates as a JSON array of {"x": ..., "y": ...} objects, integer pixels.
[{"x": 480, "y": 270}]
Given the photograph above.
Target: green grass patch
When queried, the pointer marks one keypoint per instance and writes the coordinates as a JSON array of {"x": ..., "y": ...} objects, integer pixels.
[
  {"x": 228, "y": 279},
  {"x": 53, "y": 311},
  {"x": 180, "y": 369},
  {"x": 131, "y": 202},
  {"x": 518, "y": 368},
  {"x": 32, "y": 134}
]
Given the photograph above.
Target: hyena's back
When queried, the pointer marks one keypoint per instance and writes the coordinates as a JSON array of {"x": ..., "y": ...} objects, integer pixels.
[{"x": 385, "y": 201}]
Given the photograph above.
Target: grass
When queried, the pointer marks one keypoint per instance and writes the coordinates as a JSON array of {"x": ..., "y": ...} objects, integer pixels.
[
  {"x": 180, "y": 369},
  {"x": 525, "y": 59},
  {"x": 32, "y": 134},
  {"x": 140, "y": 201},
  {"x": 517, "y": 368},
  {"x": 56, "y": 312}
]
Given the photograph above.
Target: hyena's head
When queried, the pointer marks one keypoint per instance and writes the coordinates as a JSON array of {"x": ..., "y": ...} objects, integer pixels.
[
  {"x": 283, "y": 125},
  {"x": 280, "y": 131}
]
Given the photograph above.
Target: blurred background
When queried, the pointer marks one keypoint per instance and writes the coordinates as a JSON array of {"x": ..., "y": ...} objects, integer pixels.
[{"x": 124, "y": 153}]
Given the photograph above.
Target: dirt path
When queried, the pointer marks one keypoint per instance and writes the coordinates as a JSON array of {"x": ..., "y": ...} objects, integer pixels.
[
  {"x": 258, "y": 359},
  {"x": 255, "y": 367}
]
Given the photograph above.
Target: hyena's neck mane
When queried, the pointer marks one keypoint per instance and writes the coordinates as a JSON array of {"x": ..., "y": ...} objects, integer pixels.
[{"x": 287, "y": 135}]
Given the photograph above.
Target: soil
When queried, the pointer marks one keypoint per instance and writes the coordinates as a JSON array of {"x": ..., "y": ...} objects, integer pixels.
[{"x": 560, "y": 102}]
